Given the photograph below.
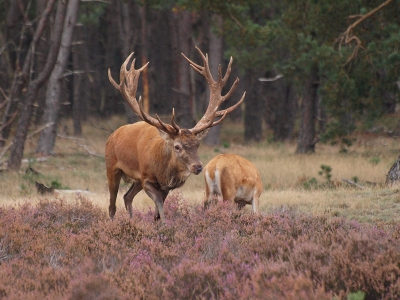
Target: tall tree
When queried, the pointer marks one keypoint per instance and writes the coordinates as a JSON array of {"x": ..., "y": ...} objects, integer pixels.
[
  {"x": 281, "y": 105},
  {"x": 23, "y": 74},
  {"x": 306, "y": 32},
  {"x": 254, "y": 107},
  {"x": 17, "y": 149},
  {"x": 215, "y": 55},
  {"x": 79, "y": 57},
  {"x": 53, "y": 93},
  {"x": 307, "y": 138},
  {"x": 129, "y": 22},
  {"x": 181, "y": 24}
]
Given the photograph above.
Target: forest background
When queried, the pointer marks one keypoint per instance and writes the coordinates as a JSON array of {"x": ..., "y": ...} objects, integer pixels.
[
  {"x": 320, "y": 76},
  {"x": 313, "y": 71}
]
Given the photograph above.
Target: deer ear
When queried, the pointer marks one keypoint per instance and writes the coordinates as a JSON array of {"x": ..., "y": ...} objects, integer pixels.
[
  {"x": 202, "y": 134},
  {"x": 164, "y": 135}
]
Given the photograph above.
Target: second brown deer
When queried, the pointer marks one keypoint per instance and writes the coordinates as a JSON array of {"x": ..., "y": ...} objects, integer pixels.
[
  {"x": 230, "y": 177},
  {"x": 158, "y": 157}
]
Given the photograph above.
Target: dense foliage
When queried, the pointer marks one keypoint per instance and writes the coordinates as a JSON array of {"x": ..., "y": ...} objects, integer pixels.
[
  {"x": 357, "y": 82},
  {"x": 57, "y": 250}
]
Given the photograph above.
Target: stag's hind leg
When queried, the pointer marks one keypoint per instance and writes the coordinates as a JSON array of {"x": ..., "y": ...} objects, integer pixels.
[
  {"x": 130, "y": 194},
  {"x": 213, "y": 188},
  {"x": 114, "y": 178},
  {"x": 255, "y": 203}
]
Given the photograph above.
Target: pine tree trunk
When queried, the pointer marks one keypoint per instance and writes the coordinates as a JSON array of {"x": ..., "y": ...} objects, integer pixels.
[
  {"x": 181, "y": 33},
  {"x": 160, "y": 67},
  {"x": 281, "y": 106},
  {"x": 79, "y": 61},
  {"x": 53, "y": 93},
  {"x": 254, "y": 108},
  {"x": 127, "y": 32},
  {"x": 307, "y": 139},
  {"x": 215, "y": 59}
]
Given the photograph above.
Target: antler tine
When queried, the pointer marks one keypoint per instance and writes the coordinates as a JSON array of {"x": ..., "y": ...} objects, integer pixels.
[
  {"x": 225, "y": 112},
  {"x": 157, "y": 122},
  {"x": 230, "y": 109},
  {"x": 228, "y": 71},
  {"x": 203, "y": 70},
  {"x": 223, "y": 115},
  {"x": 144, "y": 66},
  {"x": 121, "y": 73},
  {"x": 216, "y": 99},
  {"x": 112, "y": 80},
  {"x": 231, "y": 90},
  {"x": 128, "y": 86},
  {"x": 195, "y": 66},
  {"x": 173, "y": 121}
]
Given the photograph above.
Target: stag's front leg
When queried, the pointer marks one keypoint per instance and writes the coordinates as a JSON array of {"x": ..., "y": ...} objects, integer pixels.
[
  {"x": 158, "y": 196},
  {"x": 130, "y": 194}
]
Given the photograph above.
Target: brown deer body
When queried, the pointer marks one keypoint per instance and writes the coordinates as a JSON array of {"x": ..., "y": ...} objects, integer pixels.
[
  {"x": 230, "y": 177},
  {"x": 158, "y": 157}
]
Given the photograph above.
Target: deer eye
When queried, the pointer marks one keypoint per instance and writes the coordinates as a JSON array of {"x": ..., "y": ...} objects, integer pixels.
[{"x": 177, "y": 147}]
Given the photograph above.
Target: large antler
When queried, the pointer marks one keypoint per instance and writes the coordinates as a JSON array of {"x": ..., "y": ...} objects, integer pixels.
[
  {"x": 128, "y": 85},
  {"x": 216, "y": 99}
]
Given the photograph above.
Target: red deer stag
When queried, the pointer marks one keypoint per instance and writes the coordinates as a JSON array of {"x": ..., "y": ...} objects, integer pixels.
[
  {"x": 158, "y": 157},
  {"x": 232, "y": 177}
]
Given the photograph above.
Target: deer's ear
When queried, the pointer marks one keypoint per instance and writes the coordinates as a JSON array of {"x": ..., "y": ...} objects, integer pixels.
[
  {"x": 202, "y": 134},
  {"x": 166, "y": 136}
]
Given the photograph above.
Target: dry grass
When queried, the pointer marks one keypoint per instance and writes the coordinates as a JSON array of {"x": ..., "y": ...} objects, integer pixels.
[{"x": 283, "y": 173}]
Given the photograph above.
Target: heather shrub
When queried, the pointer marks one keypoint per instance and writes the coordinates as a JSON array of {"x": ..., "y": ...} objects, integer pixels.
[
  {"x": 62, "y": 250},
  {"x": 92, "y": 284}
]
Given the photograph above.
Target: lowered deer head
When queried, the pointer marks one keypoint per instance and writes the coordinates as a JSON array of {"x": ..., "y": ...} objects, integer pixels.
[{"x": 230, "y": 177}]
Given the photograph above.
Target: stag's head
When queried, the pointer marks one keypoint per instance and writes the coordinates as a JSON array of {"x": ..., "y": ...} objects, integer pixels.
[
  {"x": 185, "y": 146},
  {"x": 185, "y": 142}
]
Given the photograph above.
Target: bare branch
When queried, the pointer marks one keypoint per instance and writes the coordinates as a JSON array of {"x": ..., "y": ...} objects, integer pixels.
[
  {"x": 41, "y": 128},
  {"x": 348, "y": 36},
  {"x": 4, "y": 94},
  {"x": 236, "y": 20},
  {"x": 353, "y": 183},
  {"x": 69, "y": 137},
  {"x": 9, "y": 121},
  {"x": 90, "y": 152}
]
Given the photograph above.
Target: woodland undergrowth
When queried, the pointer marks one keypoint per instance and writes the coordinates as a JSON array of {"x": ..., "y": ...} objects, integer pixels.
[{"x": 56, "y": 249}]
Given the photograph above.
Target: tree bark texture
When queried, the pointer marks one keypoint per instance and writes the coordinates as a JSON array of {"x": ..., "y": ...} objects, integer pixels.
[
  {"x": 254, "y": 108},
  {"x": 79, "y": 57},
  {"x": 307, "y": 137},
  {"x": 24, "y": 76},
  {"x": 17, "y": 148},
  {"x": 181, "y": 41},
  {"x": 145, "y": 73},
  {"x": 160, "y": 67},
  {"x": 215, "y": 59},
  {"x": 53, "y": 92},
  {"x": 281, "y": 107},
  {"x": 129, "y": 22}
]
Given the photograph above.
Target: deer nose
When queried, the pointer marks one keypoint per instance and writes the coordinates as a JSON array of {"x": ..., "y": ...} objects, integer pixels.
[{"x": 197, "y": 168}]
